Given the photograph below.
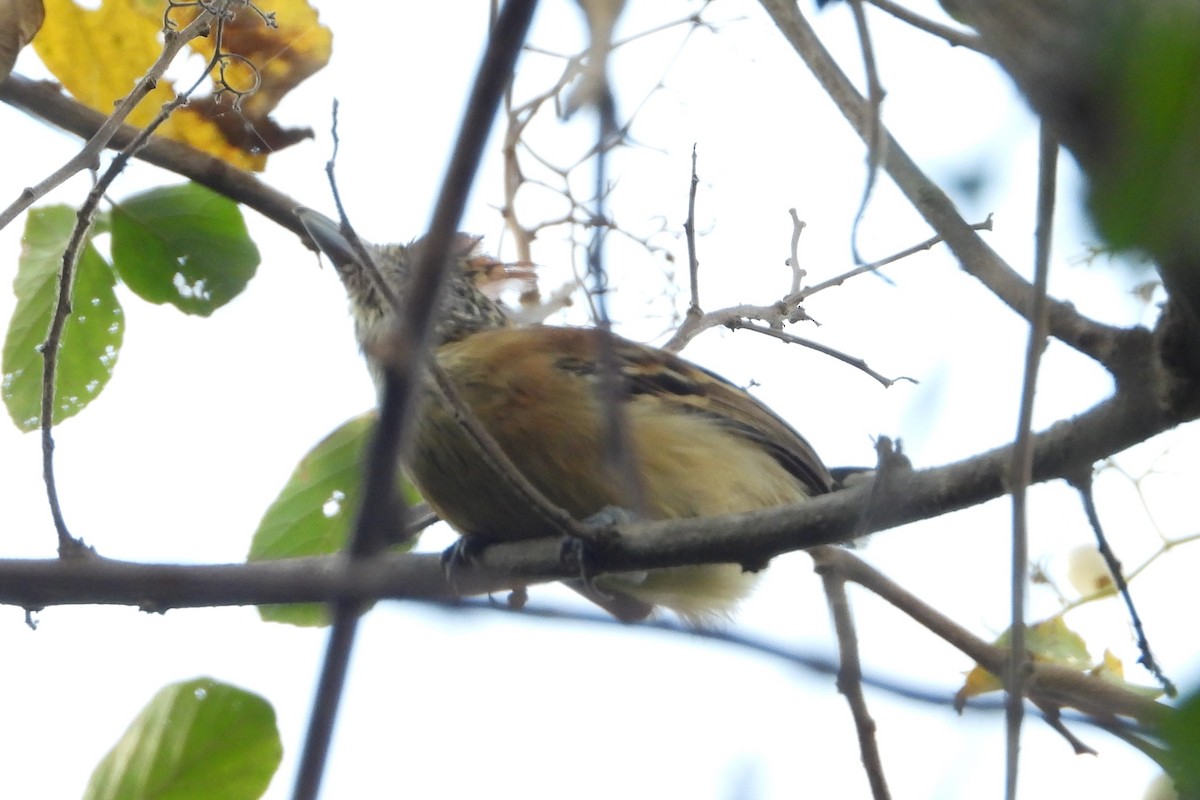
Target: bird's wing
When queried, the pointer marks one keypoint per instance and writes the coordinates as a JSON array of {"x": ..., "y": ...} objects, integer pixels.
[{"x": 654, "y": 375}]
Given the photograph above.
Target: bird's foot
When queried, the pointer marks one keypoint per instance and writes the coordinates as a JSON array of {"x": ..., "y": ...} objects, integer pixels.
[
  {"x": 578, "y": 555},
  {"x": 598, "y": 530},
  {"x": 463, "y": 553}
]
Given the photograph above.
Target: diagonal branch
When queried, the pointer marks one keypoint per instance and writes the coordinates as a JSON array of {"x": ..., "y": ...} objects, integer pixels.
[
  {"x": 1093, "y": 339},
  {"x": 102, "y": 137},
  {"x": 47, "y": 102}
]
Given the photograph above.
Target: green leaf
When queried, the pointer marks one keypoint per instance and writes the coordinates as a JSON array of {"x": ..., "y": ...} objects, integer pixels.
[
  {"x": 315, "y": 510},
  {"x": 198, "y": 739},
  {"x": 185, "y": 245},
  {"x": 1181, "y": 732},
  {"x": 91, "y": 337},
  {"x": 1147, "y": 196}
]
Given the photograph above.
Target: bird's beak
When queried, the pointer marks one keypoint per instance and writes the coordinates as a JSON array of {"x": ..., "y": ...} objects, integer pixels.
[{"x": 328, "y": 236}]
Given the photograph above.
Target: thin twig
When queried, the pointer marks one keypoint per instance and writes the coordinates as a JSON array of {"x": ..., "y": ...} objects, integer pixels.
[
  {"x": 789, "y": 308},
  {"x": 519, "y": 116},
  {"x": 1053, "y": 717},
  {"x": 798, "y": 272},
  {"x": 875, "y": 139},
  {"x": 928, "y": 244},
  {"x": 689, "y": 232},
  {"x": 1083, "y": 484},
  {"x": 68, "y": 545},
  {"x": 1022, "y": 461},
  {"x": 850, "y": 676},
  {"x": 1102, "y": 342},
  {"x": 857, "y": 363},
  {"x": 89, "y": 154},
  {"x": 954, "y": 37}
]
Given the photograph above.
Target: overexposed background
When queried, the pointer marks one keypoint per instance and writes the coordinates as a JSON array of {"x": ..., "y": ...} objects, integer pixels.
[{"x": 205, "y": 419}]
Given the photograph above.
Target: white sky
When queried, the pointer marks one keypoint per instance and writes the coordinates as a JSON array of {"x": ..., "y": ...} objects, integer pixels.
[{"x": 204, "y": 420}]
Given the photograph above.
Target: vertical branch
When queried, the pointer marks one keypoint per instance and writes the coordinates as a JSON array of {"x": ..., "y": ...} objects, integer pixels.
[
  {"x": 1021, "y": 468},
  {"x": 68, "y": 545},
  {"x": 875, "y": 139},
  {"x": 402, "y": 378},
  {"x": 850, "y": 677},
  {"x": 689, "y": 232},
  {"x": 798, "y": 272}
]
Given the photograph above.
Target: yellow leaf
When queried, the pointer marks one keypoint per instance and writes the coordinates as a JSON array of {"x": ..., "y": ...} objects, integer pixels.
[
  {"x": 1112, "y": 670},
  {"x": 99, "y": 55},
  {"x": 1048, "y": 641},
  {"x": 1110, "y": 667}
]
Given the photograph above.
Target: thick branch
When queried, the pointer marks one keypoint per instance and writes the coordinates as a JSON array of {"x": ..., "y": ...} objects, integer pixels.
[
  {"x": 47, "y": 102},
  {"x": 754, "y": 537}
]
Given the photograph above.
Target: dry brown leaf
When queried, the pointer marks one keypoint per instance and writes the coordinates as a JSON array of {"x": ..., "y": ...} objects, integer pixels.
[
  {"x": 269, "y": 63},
  {"x": 99, "y": 55},
  {"x": 19, "y": 21}
]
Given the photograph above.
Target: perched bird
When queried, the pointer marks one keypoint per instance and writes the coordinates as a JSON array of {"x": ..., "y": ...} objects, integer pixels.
[{"x": 701, "y": 446}]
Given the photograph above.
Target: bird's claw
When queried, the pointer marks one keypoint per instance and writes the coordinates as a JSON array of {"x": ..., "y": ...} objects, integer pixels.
[
  {"x": 577, "y": 553},
  {"x": 463, "y": 553}
]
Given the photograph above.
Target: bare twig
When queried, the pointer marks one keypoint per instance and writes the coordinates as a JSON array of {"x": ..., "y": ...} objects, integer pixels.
[
  {"x": 789, "y": 308},
  {"x": 1053, "y": 717},
  {"x": 850, "y": 677},
  {"x": 1101, "y": 342},
  {"x": 516, "y": 150},
  {"x": 954, "y": 37},
  {"x": 1022, "y": 461},
  {"x": 689, "y": 232},
  {"x": 1083, "y": 484},
  {"x": 874, "y": 139},
  {"x": 89, "y": 154},
  {"x": 798, "y": 272},
  {"x": 69, "y": 546},
  {"x": 857, "y": 363},
  {"x": 838, "y": 280}
]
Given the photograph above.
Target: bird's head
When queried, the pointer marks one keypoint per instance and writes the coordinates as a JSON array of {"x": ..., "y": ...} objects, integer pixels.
[{"x": 465, "y": 308}]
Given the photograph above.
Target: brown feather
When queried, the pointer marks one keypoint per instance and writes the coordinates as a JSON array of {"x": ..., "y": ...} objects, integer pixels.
[{"x": 703, "y": 448}]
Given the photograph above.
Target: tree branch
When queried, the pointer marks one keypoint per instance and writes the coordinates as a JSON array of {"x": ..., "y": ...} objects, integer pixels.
[
  {"x": 46, "y": 101},
  {"x": 976, "y": 257},
  {"x": 753, "y": 537}
]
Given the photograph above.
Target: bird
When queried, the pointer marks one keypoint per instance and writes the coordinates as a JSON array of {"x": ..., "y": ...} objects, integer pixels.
[{"x": 701, "y": 446}]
